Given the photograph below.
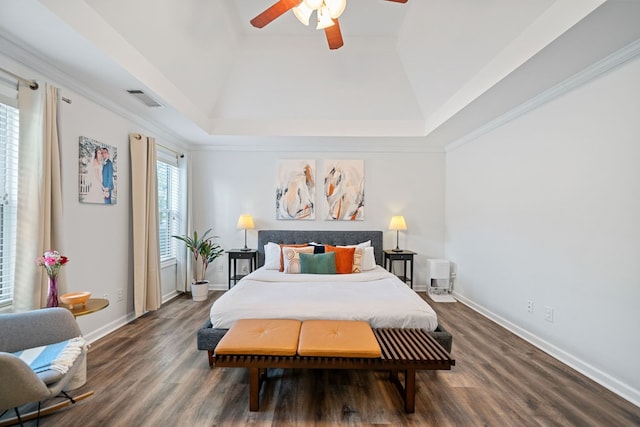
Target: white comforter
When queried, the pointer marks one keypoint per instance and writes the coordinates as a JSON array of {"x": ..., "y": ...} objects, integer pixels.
[{"x": 375, "y": 296}]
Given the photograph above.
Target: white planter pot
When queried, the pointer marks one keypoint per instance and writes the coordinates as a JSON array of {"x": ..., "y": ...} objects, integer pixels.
[{"x": 200, "y": 291}]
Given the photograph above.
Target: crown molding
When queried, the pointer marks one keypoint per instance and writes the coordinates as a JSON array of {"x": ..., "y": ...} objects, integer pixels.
[
  {"x": 47, "y": 71},
  {"x": 319, "y": 144},
  {"x": 620, "y": 57}
]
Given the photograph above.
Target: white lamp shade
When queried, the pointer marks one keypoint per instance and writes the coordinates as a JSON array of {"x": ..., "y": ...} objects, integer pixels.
[
  {"x": 397, "y": 223},
  {"x": 324, "y": 18},
  {"x": 336, "y": 7},
  {"x": 245, "y": 222},
  {"x": 303, "y": 13}
]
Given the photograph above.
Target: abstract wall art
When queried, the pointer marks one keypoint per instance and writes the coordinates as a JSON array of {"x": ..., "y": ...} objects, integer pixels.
[
  {"x": 344, "y": 190},
  {"x": 296, "y": 189}
]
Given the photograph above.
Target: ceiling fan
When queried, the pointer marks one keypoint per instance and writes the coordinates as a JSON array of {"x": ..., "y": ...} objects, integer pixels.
[{"x": 327, "y": 12}]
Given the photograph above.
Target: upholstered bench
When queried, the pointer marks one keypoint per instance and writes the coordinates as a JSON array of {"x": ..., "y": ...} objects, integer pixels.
[
  {"x": 337, "y": 338},
  {"x": 208, "y": 338},
  {"x": 273, "y": 337},
  {"x": 328, "y": 344}
]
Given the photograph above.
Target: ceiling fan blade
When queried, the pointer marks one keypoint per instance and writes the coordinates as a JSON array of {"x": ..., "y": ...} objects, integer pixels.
[
  {"x": 398, "y": 1},
  {"x": 334, "y": 36},
  {"x": 273, "y": 12}
]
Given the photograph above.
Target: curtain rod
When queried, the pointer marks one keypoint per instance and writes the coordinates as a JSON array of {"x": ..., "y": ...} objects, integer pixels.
[
  {"x": 177, "y": 153},
  {"x": 33, "y": 85}
]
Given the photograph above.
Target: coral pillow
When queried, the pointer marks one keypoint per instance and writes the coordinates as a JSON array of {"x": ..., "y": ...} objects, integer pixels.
[
  {"x": 344, "y": 258},
  {"x": 287, "y": 246}
]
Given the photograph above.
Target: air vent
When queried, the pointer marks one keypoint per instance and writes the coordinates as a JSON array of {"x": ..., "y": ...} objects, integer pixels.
[{"x": 144, "y": 98}]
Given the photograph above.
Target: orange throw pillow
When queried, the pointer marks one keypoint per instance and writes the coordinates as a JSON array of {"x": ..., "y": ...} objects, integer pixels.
[
  {"x": 344, "y": 258},
  {"x": 282, "y": 257}
]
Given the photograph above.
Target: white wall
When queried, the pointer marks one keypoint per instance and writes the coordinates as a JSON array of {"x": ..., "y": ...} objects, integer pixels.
[
  {"x": 229, "y": 183},
  {"x": 546, "y": 208},
  {"x": 97, "y": 238}
]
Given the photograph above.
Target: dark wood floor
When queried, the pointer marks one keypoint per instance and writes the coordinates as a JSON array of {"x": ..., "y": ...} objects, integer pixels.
[{"x": 149, "y": 373}]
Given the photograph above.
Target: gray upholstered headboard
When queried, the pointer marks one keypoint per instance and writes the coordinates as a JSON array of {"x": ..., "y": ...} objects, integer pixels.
[{"x": 327, "y": 237}]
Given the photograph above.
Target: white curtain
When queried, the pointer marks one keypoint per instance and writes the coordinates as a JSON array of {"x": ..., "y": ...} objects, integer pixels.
[
  {"x": 39, "y": 226},
  {"x": 147, "y": 294}
]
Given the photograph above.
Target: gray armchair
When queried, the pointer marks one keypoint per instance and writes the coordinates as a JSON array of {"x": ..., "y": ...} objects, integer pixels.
[{"x": 19, "y": 384}]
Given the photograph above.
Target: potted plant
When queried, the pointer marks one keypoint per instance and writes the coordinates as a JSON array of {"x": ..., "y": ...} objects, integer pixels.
[{"x": 204, "y": 250}]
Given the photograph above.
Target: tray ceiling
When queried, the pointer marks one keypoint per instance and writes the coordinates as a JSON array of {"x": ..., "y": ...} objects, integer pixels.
[{"x": 416, "y": 70}]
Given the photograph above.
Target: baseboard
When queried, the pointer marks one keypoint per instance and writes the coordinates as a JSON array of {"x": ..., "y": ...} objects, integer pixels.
[
  {"x": 616, "y": 386},
  {"x": 218, "y": 287},
  {"x": 170, "y": 296},
  {"x": 109, "y": 327}
]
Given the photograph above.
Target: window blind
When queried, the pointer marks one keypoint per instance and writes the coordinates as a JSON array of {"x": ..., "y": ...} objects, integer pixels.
[
  {"x": 9, "y": 125},
  {"x": 8, "y": 91},
  {"x": 168, "y": 207}
]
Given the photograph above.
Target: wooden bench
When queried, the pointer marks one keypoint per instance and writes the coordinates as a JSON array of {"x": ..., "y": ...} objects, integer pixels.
[{"x": 402, "y": 350}]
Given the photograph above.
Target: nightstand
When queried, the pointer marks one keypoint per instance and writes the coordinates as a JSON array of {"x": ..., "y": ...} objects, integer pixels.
[
  {"x": 235, "y": 255},
  {"x": 405, "y": 256}
]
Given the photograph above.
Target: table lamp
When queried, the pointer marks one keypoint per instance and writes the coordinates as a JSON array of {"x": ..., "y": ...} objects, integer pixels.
[
  {"x": 245, "y": 222},
  {"x": 397, "y": 223}
]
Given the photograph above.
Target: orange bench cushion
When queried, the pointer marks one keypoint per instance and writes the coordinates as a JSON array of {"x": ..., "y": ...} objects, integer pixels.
[
  {"x": 338, "y": 338},
  {"x": 275, "y": 337}
]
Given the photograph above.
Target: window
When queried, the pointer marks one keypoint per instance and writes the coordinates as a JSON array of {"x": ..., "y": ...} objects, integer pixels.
[
  {"x": 168, "y": 206},
  {"x": 9, "y": 199}
]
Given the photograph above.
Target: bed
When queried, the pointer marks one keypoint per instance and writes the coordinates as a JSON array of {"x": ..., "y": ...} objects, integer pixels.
[{"x": 375, "y": 295}]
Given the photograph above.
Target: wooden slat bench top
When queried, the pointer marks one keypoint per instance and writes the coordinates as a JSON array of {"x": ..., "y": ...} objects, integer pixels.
[
  {"x": 404, "y": 350},
  {"x": 401, "y": 349}
]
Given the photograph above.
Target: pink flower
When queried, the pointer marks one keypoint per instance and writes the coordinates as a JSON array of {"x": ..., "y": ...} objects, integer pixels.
[{"x": 52, "y": 261}]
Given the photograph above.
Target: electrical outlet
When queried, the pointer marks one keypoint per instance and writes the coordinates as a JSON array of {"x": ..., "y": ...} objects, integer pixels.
[
  {"x": 119, "y": 295},
  {"x": 245, "y": 269},
  {"x": 530, "y": 306},
  {"x": 548, "y": 314}
]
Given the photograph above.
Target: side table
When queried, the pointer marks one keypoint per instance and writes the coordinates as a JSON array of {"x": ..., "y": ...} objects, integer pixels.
[
  {"x": 235, "y": 255},
  {"x": 405, "y": 256},
  {"x": 91, "y": 306}
]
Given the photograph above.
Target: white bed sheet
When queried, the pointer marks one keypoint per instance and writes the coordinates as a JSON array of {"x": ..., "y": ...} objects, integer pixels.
[{"x": 375, "y": 296}]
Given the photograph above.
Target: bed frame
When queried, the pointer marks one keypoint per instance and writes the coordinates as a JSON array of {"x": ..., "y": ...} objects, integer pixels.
[
  {"x": 208, "y": 337},
  {"x": 325, "y": 237}
]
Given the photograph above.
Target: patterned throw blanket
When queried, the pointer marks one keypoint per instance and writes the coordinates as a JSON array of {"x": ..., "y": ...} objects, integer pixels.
[{"x": 58, "y": 357}]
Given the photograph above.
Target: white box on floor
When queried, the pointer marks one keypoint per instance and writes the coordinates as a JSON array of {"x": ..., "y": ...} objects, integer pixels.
[{"x": 439, "y": 269}]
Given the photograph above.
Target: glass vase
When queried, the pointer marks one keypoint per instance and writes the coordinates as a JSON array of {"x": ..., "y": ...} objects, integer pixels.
[{"x": 52, "y": 297}]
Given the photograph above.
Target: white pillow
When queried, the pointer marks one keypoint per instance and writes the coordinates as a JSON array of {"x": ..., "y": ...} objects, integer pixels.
[
  {"x": 368, "y": 260},
  {"x": 272, "y": 256},
  {"x": 291, "y": 257},
  {"x": 359, "y": 245}
]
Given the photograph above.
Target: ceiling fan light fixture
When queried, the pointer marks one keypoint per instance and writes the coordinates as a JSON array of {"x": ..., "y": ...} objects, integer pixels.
[
  {"x": 336, "y": 7},
  {"x": 303, "y": 13},
  {"x": 324, "y": 18}
]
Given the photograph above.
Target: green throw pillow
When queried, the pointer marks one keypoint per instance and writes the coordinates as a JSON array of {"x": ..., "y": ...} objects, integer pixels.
[{"x": 318, "y": 263}]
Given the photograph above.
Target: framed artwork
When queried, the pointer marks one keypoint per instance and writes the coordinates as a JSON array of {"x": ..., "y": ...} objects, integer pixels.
[
  {"x": 344, "y": 190},
  {"x": 98, "y": 172},
  {"x": 296, "y": 189}
]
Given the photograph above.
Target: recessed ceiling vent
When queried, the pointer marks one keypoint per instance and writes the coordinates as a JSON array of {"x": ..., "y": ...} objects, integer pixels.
[{"x": 144, "y": 98}]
